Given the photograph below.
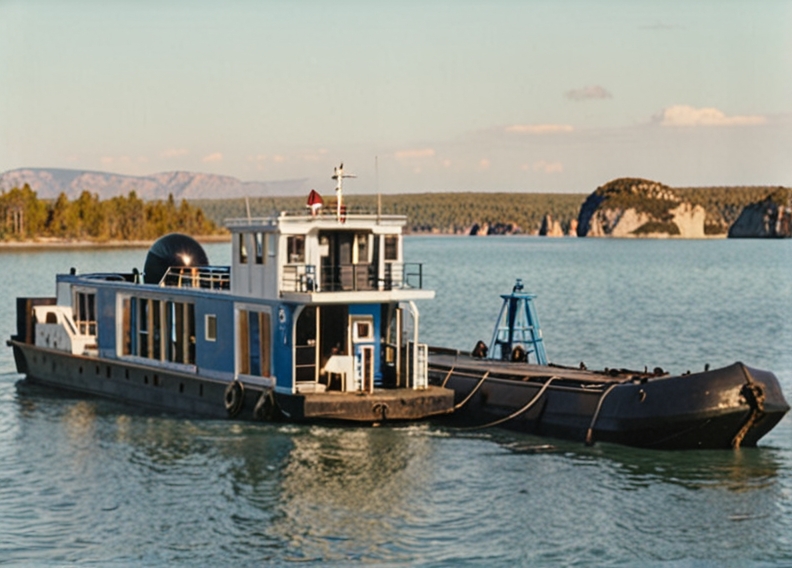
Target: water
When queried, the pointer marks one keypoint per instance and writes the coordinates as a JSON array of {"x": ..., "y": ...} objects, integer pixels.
[{"x": 100, "y": 483}]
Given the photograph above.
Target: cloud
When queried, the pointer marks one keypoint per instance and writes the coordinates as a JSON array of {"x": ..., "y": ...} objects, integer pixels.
[
  {"x": 548, "y": 167},
  {"x": 484, "y": 164},
  {"x": 174, "y": 152},
  {"x": 415, "y": 154},
  {"x": 539, "y": 128},
  {"x": 278, "y": 158},
  {"x": 684, "y": 115},
  {"x": 215, "y": 157},
  {"x": 591, "y": 92}
]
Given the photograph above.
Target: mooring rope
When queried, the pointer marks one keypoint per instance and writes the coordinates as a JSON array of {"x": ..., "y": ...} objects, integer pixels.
[
  {"x": 516, "y": 413},
  {"x": 448, "y": 376},
  {"x": 590, "y": 431},
  {"x": 472, "y": 392}
]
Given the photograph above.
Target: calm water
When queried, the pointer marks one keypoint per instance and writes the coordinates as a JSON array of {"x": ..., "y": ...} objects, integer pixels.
[{"x": 100, "y": 483}]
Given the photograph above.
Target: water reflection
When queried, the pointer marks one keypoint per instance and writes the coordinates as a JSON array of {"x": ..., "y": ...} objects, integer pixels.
[{"x": 344, "y": 491}]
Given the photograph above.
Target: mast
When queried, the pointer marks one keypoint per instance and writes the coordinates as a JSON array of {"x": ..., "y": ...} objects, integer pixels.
[{"x": 339, "y": 176}]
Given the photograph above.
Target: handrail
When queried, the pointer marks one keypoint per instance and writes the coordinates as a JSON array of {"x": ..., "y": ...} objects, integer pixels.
[
  {"x": 351, "y": 277},
  {"x": 206, "y": 277}
]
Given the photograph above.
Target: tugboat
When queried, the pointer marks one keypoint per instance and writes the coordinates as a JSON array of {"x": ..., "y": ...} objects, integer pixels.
[
  {"x": 313, "y": 320},
  {"x": 509, "y": 383}
]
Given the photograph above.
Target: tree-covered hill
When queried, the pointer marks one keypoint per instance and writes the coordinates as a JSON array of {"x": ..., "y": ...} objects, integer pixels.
[
  {"x": 123, "y": 218},
  {"x": 427, "y": 212}
]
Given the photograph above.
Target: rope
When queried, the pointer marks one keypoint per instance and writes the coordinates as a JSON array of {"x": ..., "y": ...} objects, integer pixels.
[
  {"x": 755, "y": 397},
  {"x": 515, "y": 414},
  {"x": 472, "y": 392},
  {"x": 590, "y": 431},
  {"x": 448, "y": 376}
]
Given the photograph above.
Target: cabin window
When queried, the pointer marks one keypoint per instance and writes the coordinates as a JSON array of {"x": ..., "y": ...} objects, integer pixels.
[
  {"x": 254, "y": 343},
  {"x": 295, "y": 245},
  {"x": 243, "y": 255},
  {"x": 143, "y": 327},
  {"x": 180, "y": 332},
  {"x": 260, "y": 246},
  {"x": 158, "y": 329},
  {"x": 391, "y": 247},
  {"x": 362, "y": 331},
  {"x": 126, "y": 326},
  {"x": 85, "y": 312},
  {"x": 210, "y": 327}
]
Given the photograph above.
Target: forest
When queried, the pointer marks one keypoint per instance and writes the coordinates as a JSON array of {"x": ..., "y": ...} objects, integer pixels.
[
  {"x": 451, "y": 213},
  {"x": 122, "y": 218}
]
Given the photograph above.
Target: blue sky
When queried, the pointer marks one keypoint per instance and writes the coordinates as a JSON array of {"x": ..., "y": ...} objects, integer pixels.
[{"x": 555, "y": 96}]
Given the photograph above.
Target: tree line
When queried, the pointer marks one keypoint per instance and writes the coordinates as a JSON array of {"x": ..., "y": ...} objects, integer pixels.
[
  {"x": 25, "y": 216},
  {"x": 426, "y": 212}
]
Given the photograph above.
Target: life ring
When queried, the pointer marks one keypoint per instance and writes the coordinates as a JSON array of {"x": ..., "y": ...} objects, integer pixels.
[
  {"x": 265, "y": 406},
  {"x": 234, "y": 397}
]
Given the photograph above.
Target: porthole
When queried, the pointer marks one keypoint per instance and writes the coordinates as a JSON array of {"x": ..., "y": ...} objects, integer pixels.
[{"x": 145, "y": 379}]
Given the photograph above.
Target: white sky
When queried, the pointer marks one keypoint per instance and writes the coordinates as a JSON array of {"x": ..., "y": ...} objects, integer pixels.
[{"x": 466, "y": 95}]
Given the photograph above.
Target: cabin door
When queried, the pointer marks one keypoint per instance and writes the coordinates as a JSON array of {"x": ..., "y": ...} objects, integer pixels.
[{"x": 362, "y": 341}]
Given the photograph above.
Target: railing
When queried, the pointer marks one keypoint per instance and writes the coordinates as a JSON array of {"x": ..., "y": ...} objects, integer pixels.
[
  {"x": 324, "y": 214},
  {"x": 351, "y": 277},
  {"x": 207, "y": 277}
]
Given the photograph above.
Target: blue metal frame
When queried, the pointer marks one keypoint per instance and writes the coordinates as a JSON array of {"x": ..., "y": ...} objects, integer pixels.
[{"x": 518, "y": 325}]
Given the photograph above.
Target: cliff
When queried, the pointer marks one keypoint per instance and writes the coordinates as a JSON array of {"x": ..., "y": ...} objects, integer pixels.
[
  {"x": 634, "y": 207},
  {"x": 769, "y": 218}
]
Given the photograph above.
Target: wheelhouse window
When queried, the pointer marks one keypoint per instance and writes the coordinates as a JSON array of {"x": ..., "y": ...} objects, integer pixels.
[
  {"x": 261, "y": 244},
  {"x": 391, "y": 247},
  {"x": 85, "y": 312},
  {"x": 295, "y": 245},
  {"x": 243, "y": 254}
]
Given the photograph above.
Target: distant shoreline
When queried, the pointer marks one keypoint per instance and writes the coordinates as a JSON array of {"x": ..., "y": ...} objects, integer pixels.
[{"x": 65, "y": 244}]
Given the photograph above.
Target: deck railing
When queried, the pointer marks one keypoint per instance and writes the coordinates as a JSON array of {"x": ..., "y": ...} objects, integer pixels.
[
  {"x": 351, "y": 277},
  {"x": 207, "y": 277}
]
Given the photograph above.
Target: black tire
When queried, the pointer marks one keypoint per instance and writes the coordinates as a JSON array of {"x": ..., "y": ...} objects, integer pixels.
[{"x": 234, "y": 398}]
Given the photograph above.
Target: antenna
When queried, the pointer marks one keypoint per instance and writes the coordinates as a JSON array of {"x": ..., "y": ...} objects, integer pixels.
[
  {"x": 376, "y": 183},
  {"x": 339, "y": 175}
]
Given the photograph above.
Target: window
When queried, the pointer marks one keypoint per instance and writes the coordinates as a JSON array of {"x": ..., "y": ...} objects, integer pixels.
[
  {"x": 363, "y": 330},
  {"x": 391, "y": 247},
  {"x": 126, "y": 326},
  {"x": 160, "y": 330},
  {"x": 85, "y": 312},
  {"x": 243, "y": 255},
  {"x": 295, "y": 246},
  {"x": 260, "y": 244},
  {"x": 211, "y": 327}
]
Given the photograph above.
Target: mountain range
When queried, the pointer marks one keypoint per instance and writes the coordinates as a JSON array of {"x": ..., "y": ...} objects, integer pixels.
[{"x": 48, "y": 183}]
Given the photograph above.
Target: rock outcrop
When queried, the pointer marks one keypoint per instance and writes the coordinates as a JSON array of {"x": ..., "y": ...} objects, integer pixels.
[
  {"x": 769, "y": 218},
  {"x": 550, "y": 227},
  {"x": 634, "y": 207}
]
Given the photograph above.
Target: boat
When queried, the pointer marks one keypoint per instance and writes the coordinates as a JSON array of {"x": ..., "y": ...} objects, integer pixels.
[
  {"x": 509, "y": 383},
  {"x": 314, "y": 319}
]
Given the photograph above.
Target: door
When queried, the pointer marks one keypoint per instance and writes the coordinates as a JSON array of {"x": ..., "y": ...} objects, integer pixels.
[{"x": 362, "y": 341}]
